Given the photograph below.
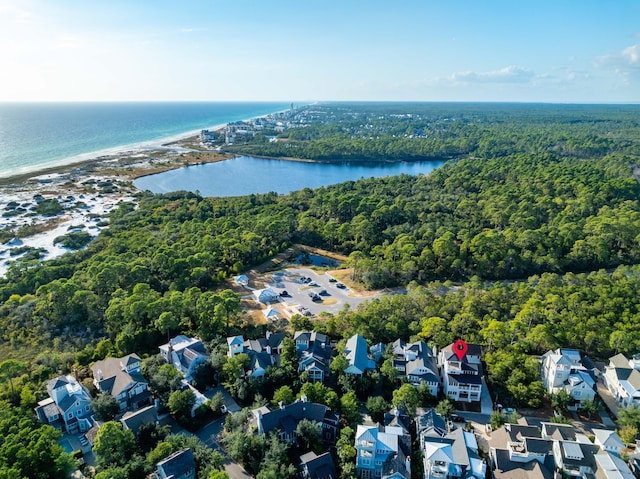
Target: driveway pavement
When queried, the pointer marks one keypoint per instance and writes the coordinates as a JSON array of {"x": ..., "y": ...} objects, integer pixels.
[
  {"x": 209, "y": 435},
  {"x": 607, "y": 398}
]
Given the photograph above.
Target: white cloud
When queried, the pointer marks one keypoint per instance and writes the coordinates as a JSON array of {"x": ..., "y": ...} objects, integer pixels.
[
  {"x": 625, "y": 63},
  {"x": 510, "y": 74}
]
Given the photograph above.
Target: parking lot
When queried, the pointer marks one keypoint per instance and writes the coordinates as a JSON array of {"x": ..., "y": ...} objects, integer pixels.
[{"x": 290, "y": 280}]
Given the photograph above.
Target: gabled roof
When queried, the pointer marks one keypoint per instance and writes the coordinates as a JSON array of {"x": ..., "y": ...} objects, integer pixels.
[
  {"x": 293, "y": 413},
  {"x": 505, "y": 468},
  {"x": 178, "y": 463},
  {"x": 619, "y": 361},
  {"x": 357, "y": 354},
  {"x": 114, "y": 379},
  {"x": 235, "y": 340},
  {"x": 609, "y": 466},
  {"x": 431, "y": 423},
  {"x": 559, "y": 432},
  {"x": 133, "y": 420},
  {"x": 319, "y": 467},
  {"x": 472, "y": 349},
  {"x": 608, "y": 439}
]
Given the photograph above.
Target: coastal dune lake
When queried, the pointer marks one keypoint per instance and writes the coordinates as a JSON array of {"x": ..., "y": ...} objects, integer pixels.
[{"x": 245, "y": 175}]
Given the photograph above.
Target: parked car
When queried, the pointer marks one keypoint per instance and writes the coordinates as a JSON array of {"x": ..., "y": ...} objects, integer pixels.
[
  {"x": 340, "y": 285},
  {"x": 313, "y": 283},
  {"x": 284, "y": 293},
  {"x": 323, "y": 292},
  {"x": 333, "y": 280}
]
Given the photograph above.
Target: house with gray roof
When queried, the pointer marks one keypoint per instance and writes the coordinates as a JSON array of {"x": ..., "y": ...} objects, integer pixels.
[
  {"x": 564, "y": 369},
  {"x": 285, "y": 420},
  {"x": 185, "y": 354},
  {"x": 417, "y": 363},
  {"x": 68, "y": 406},
  {"x": 461, "y": 377},
  {"x": 318, "y": 467},
  {"x": 357, "y": 353},
  {"x": 611, "y": 466},
  {"x": 262, "y": 352},
  {"x": 314, "y": 354},
  {"x": 518, "y": 451},
  {"x": 429, "y": 424},
  {"x": 454, "y": 455},
  {"x": 609, "y": 441},
  {"x": 576, "y": 459},
  {"x": 622, "y": 378},
  {"x": 121, "y": 377},
  {"x": 133, "y": 420},
  {"x": 179, "y": 465}
]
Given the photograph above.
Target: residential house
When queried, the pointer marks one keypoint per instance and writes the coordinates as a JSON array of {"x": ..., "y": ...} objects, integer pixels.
[
  {"x": 263, "y": 352},
  {"x": 461, "y": 378},
  {"x": 517, "y": 451},
  {"x": 563, "y": 369},
  {"x": 185, "y": 354},
  {"x": 179, "y": 465},
  {"x": 314, "y": 354},
  {"x": 609, "y": 441},
  {"x": 357, "y": 354},
  {"x": 622, "y": 377},
  {"x": 455, "y": 455},
  {"x": 576, "y": 459},
  {"x": 382, "y": 451},
  {"x": 133, "y": 420},
  {"x": 417, "y": 363},
  {"x": 318, "y": 467},
  {"x": 121, "y": 377},
  {"x": 68, "y": 406},
  {"x": 285, "y": 420},
  {"x": 429, "y": 424}
]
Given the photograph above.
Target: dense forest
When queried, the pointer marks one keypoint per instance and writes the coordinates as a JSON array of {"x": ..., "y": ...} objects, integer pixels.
[{"x": 536, "y": 217}]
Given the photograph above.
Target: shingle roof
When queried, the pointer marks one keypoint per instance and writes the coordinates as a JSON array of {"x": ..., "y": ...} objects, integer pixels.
[
  {"x": 281, "y": 418},
  {"x": 114, "y": 379},
  {"x": 319, "y": 467},
  {"x": 619, "y": 361},
  {"x": 133, "y": 420},
  {"x": 178, "y": 463}
]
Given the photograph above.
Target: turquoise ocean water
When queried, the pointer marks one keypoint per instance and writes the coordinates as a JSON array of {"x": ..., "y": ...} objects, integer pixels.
[{"x": 34, "y": 136}]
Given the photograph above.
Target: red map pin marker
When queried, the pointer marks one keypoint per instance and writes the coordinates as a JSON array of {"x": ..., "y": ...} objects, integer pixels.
[{"x": 460, "y": 348}]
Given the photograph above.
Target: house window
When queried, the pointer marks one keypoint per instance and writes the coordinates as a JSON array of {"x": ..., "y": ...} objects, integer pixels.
[
  {"x": 79, "y": 411},
  {"x": 70, "y": 415},
  {"x": 86, "y": 408},
  {"x": 577, "y": 394}
]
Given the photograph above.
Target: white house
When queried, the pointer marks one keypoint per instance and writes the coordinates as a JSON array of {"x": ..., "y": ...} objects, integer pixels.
[
  {"x": 68, "y": 406},
  {"x": 608, "y": 441},
  {"x": 563, "y": 369},
  {"x": 622, "y": 377},
  {"x": 461, "y": 377},
  {"x": 266, "y": 296}
]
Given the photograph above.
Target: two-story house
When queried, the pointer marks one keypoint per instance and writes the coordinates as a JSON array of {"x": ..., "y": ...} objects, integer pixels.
[
  {"x": 417, "y": 363},
  {"x": 313, "y": 466},
  {"x": 185, "y": 354},
  {"x": 285, "y": 420},
  {"x": 68, "y": 406},
  {"x": 622, "y": 377},
  {"x": 121, "y": 377},
  {"x": 382, "y": 451},
  {"x": 455, "y": 455},
  {"x": 563, "y": 369},
  {"x": 262, "y": 352},
  {"x": 461, "y": 377},
  {"x": 313, "y": 353},
  {"x": 357, "y": 353}
]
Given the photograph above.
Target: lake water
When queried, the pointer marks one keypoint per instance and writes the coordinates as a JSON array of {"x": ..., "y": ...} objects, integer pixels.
[{"x": 246, "y": 175}]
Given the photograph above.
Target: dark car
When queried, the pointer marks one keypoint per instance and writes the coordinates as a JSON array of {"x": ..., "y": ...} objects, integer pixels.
[
  {"x": 333, "y": 280},
  {"x": 323, "y": 292},
  {"x": 284, "y": 293},
  {"x": 340, "y": 285}
]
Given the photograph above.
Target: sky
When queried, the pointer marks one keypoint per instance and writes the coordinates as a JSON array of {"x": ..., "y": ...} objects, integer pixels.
[{"x": 560, "y": 51}]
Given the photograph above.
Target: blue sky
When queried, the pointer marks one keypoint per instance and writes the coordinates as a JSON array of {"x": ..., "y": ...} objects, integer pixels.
[{"x": 585, "y": 51}]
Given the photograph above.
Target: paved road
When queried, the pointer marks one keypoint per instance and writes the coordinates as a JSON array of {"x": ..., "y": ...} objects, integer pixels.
[
  {"x": 607, "y": 398},
  {"x": 209, "y": 435}
]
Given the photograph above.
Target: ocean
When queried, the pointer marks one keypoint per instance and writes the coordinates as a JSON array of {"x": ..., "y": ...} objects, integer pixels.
[{"x": 35, "y": 136}]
